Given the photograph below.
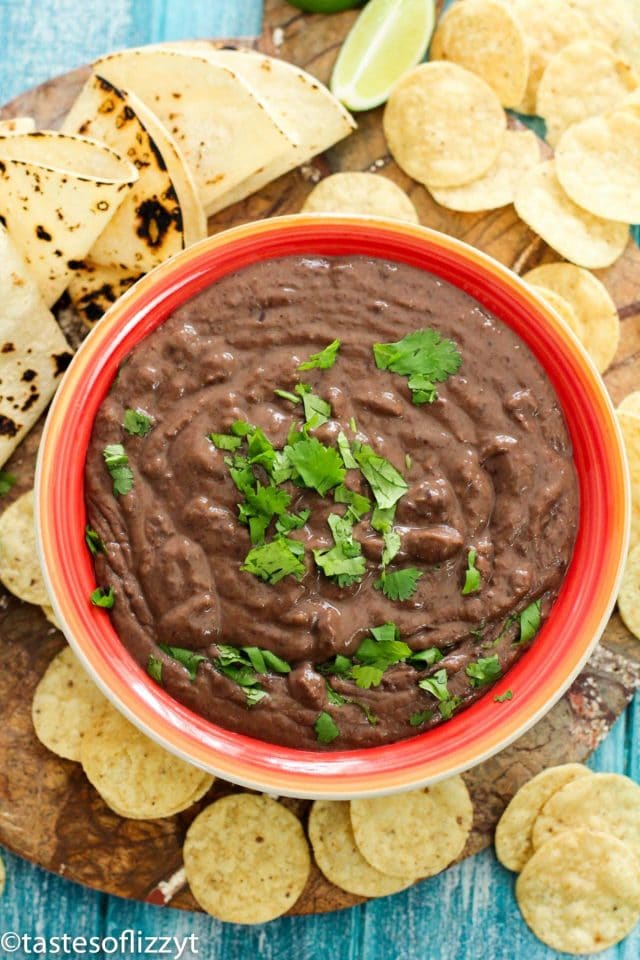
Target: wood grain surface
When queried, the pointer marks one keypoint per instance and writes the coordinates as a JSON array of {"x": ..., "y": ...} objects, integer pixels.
[{"x": 63, "y": 825}]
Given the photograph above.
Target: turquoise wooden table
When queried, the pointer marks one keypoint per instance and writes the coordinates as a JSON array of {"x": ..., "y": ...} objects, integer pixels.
[{"x": 467, "y": 913}]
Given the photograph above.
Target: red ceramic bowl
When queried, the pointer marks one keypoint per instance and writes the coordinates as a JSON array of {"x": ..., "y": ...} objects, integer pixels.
[{"x": 539, "y": 677}]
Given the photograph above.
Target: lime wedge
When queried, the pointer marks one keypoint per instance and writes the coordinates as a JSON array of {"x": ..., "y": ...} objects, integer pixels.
[{"x": 388, "y": 38}]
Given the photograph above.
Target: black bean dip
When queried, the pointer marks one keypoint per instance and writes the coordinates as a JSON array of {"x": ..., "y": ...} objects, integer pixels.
[{"x": 490, "y": 503}]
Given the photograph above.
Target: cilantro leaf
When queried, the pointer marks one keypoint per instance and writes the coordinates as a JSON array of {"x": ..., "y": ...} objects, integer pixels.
[
  {"x": 264, "y": 500},
  {"x": 447, "y": 707},
  {"x": 424, "y": 357},
  {"x": 426, "y": 657},
  {"x": 117, "y": 463},
  {"x": 392, "y": 544},
  {"x": 273, "y": 561},
  {"x": 340, "y": 666},
  {"x": 287, "y": 522},
  {"x": 189, "y": 659},
  {"x": 436, "y": 685},
  {"x": 368, "y": 675},
  {"x": 472, "y": 575},
  {"x": 377, "y": 652},
  {"x": 357, "y": 505},
  {"x": 322, "y": 360},
  {"x": 343, "y": 562},
  {"x": 345, "y": 452},
  {"x": 240, "y": 428},
  {"x": 286, "y": 395},
  {"x": 386, "y": 483},
  {"x": 256, "y": 659},
  {"x": 530, "y": 621},
  {"x": 507, "y": 695},
  {"x": 485, "y": 670},
  {"x": 382, "y": 520},
  {"x": 275, "y": 663},
  {"x": 7, "y": 480},
  {"x": 316, "y": 410},
  {"x": 319, "y": 467},
  {"x": 154, "y": 668},
  {"x": 417, "y": 719},
  {"x": 326, "y": 728},
  {"x": 264, "y": 660},
  {"x": 103, "y": 598},
  {"x": 93, "y": 541},
  {"x": 260, "y": 450},
  {"x": 137, "y": 423},
  {"x": 399, "y": 585},
  {"x": 241, "y": 473},
  {"x": 254, "y": 695},
  {"x": 335, "y": 698},
  {"x": 224, "y": 441}
]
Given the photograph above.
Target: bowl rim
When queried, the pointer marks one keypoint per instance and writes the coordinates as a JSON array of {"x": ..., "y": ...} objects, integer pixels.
[{"x": 257, "y": 764}]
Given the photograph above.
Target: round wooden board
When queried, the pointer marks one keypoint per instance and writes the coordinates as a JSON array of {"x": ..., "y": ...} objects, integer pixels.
[{"x": 49, "y": 813}]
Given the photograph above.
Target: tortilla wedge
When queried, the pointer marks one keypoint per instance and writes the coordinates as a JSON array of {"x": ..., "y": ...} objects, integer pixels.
[
  {"x": 307, "y": 111},
  {"x": 33, "y": 351},
  {"x": 94, "y": 287},
  {"x": 226, "y": 131},
  {"x": 57, "y": 194},
  {"x": 162, "y": 213},
  {"x": 17, "y": 125}
]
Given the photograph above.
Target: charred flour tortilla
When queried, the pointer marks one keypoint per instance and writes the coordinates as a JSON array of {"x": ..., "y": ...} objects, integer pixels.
[
  {"x": 57, "y": 195},
  {"x": 162, "y": 213},
  {"x": 308, "y": 113},
  {"x": 33, "y": 351},
  {"x": 295, "y": 612},
  {"x": 225, "y": 130}
]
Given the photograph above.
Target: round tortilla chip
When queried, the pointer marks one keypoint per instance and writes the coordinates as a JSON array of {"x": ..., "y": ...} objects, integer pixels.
[
  {"x": 19, "y": 565},
  {"x": 497, "y": 187},
  {"x": 584, "y": 79},
  {"x": 417, "y": 833},
  {"x": 548, "y": 26},
  {"x": 598, "y": 165},
  {"x": 630, "y": 404},
  {"x": 444, "y": 125},
  {"x": 338, "y": 857},
  {"x": 246, "y": 858},
  {"x": 562, "y": 307},
  {"x": 629, "y": 595},
  {"x": 630, "y": 426},
  {"x": 66, "y": 703},
  {"x": 513, "y": 832},
  {"x": 362, "y": 193},
  {"x": 613, "y": 23},
  {"x": 605, "y": 802},
  {"x": 572, "y": 232},
  {"x": 580, "y": 892},
  {"x": 599, "y": 324},
  {"x": 134, "y": 776},
  {"x": 484, "y": 37}
]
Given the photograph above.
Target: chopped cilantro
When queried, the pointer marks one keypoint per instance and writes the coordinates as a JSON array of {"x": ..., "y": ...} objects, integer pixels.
[
  {"x": 436, "y": 685},
  {"x": 472, "y": 575},
  {"x": 326, "y": 728},
  {"x": 260, "y": 506},
  {"x": 424, "y": 357},
  {"x": 392, "y": 544},
  {"x": 240, "y": 428},
  {"x": 343, "y": 562},
  {"x": 382, "y": 520},
  {"x": 263, "y": 660},
  {"x": 335, "y": 698},
  {"x": 318, "y": 466},
  {"x": 254, "y": 695},
  {"x": 484, "y": 671},
  {"x": 292, "y": 521},
  {"x": 367, "y": 675},
  {"x": 357, "y": 505},
  {"x": 322, "y": 360},
  {"x": 286, "y": 395},
  {"x": 316, "y": 410},
  {"x": 340, "y": 666},
  {"x": 447, "y": 707},
  {"x": 353, "y": 425},
  {"x": 275, "y": 663},
  {"x": 224, "y": 441},
  {"x": 380, "y": 650},
  {"x": 408, "y": 461},
  {"x": 478, "y": 632},
  {"x": 427, "y": 657},
  {"x": 137, "y": 423},
  {"x": 399, "y": 585},
  {"x": 189, "y": 659},
  {"x": 260, "y": 450},
  {"x": 7, "y": 480},
  {"x": 93, "y": 541},
  {"x": 507, "y": 695},
  {"x": 345, "y": 452},
  {"x": 530, "y": 621},
  {"x": 103, "y": 598},
  {"x": 417, "y": 719},
  {"x": 386, "y": 483},
  {"x": 272, "y": 561},
  {"x": 117, "y": 463},
  {"x": 154, "y": 668}
]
